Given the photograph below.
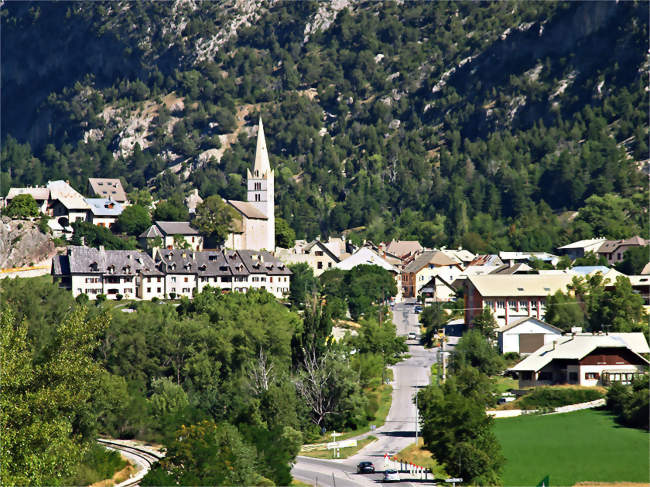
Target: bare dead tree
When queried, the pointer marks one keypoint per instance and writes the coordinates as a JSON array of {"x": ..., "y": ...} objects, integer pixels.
[
  {"x": 261, "y": 374},
  {"x": 313, "y": 383}
]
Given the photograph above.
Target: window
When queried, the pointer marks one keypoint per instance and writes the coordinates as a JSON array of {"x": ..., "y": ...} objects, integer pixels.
[
  {"x": 329, "y": 265},
  {"x": 159, "y": 279},
  {"x": 319, "y": 253},
  {"x": 319, "y": 265},
  {"x": 618, "y": 256},
  {"x": 148, "y": 289},
  {"x": 173, "y": 279},
  {"x": 186, "y": 279},
  {"x": 545, "y": 376},
  {"x": 501, "y": 304},
  {"x": 512, "y": 304},
  {"x": 159, "y": 290},
  {"x": 592, "y": 376},
  {"x": 523, "y": 304},
  {"x": 257, "y": 197}
]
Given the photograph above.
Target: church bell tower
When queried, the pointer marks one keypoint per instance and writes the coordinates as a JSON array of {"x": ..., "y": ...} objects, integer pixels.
[{"x": 261, "y": 191}]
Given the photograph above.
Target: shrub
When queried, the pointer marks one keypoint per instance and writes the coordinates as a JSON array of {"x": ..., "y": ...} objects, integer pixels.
[
  {"x": 552, "y": 397},
  {"x": 118, "y": 297},
  {"x": 172, "y": 295},
  {"x": 100, "y": 298}
]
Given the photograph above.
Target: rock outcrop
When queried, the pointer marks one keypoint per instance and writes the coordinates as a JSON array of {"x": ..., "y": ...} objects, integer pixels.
[{"x": 23, "y": 244}]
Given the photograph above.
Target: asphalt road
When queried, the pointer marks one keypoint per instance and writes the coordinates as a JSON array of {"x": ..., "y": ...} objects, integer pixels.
[{"x": 399, "y": 429}]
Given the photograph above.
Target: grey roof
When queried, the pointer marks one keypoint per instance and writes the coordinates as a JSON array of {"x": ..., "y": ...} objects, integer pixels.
[
  {"x": 60, "y": 265},
  {"x": 89, "y": 260},
  {"x": 218, "y": 263},
  {"x": 104, "y": 207},
  {"x": 249, "y": 210},
  {"x": 262, "y": 262},
  {"x": 151, "y": 232},
  {"x": 176, "y": 228},
  {"x": 108, "y": 188}
]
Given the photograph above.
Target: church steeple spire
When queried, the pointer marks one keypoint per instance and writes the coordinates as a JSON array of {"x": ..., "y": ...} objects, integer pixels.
[{"x": 262, "y": 166}]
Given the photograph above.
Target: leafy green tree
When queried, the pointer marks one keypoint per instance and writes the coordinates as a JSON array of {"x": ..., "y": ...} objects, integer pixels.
[
  {"x": 285, "y": 237},
  {"x": 432, "y": 319},
  {"x": 22, "y": 206},
  {"x": 380, "y": 339},
  {"x": 607, "y": 216},
  {"x": 215, "y": 219},
  {"x": 486, "y": 324},
  {"x": 368, "y": 285},
  {"x": 458, "y": 432},
  {"x": 173, "y": 210},
  {"x": 474, "y": 350},
  {"x": 141, "y": 197},
  {"x": 134, "y": 220},
  {"x": 590, "y": 259},
  {"x": 206, "y": 454},
  {"x": 94, "y": 236},
  {"x": 46, "y": 411},
  {"x": 634, "y": 260},
  {"x": 564, "y": 311},
  {"x": 303, "y": 285}
]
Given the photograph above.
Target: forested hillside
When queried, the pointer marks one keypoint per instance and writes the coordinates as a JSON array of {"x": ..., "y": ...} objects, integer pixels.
[{"x": 483, "y": 124}]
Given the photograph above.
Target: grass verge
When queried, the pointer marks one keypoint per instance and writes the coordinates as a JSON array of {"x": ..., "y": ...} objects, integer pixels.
[
  {"x": 555, "y": 396},
  {"x": 574, "y": 447},
  {"x": 418, "y": 455},
  {"x": 504, "y": 384},
  {"x": 345, "y": 452},
  {"x": 384, "y": 396}
]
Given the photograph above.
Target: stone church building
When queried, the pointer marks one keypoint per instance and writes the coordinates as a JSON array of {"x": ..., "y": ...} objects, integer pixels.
[{"x": 257, "y": 228}]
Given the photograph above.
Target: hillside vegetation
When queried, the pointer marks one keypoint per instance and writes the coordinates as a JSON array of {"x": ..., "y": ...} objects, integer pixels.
[{"x": 483, "y": 124}]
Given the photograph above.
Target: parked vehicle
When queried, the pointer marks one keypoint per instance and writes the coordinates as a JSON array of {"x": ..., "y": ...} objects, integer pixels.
[
  {"x": 365, "y": 467},
  {"x": 412, "y": 335},
  {"x": 417, "y": 309},
  {"x": 391, "y": 476}
]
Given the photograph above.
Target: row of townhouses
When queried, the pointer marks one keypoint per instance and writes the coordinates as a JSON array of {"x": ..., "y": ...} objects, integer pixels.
[{"x": 168, "y": 273}]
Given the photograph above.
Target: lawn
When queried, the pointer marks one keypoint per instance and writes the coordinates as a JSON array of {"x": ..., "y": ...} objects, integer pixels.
[
  {"x": 582, "y": 446},
  {"x": 344, "y": 452}
]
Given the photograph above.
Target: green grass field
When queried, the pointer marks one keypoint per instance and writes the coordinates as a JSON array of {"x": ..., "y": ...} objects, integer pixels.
[{"x": 582, "y": 446}]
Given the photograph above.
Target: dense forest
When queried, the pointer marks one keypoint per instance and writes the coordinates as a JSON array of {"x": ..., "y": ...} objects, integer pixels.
[
  {"x": 492, "y": 125},
  {"x": 238, "y": 381}
]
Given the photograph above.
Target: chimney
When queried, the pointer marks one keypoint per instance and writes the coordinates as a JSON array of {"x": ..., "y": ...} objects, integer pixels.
[
  {"x": 554, "y": 344},
  {"x": 101, "y": 248}
]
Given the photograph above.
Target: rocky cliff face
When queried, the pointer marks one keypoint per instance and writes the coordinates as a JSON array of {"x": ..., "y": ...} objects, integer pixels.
[{"x": 23, "y": 244}]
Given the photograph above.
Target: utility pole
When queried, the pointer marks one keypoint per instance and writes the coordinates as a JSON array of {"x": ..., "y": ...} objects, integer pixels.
[{"x": 416, "y": 419}]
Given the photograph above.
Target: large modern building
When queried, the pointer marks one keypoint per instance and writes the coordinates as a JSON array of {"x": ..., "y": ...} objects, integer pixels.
[{"x": 511, "y": 296}]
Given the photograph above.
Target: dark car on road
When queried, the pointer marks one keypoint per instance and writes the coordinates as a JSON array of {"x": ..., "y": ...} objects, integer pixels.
[{"x": 365, "y": 467}]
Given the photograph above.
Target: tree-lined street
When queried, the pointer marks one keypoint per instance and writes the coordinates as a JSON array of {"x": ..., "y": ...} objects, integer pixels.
[{"x": 399, "y": 429}]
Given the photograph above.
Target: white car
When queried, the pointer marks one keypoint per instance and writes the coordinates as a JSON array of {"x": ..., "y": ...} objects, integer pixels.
[
  {"x": 412, "y": 335},
  {"x": 391, "y": 476}
]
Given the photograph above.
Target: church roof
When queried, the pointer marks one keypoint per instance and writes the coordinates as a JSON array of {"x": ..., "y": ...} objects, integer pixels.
[
  {"x": 262, "y": 165},
  {"x": 249, "y": 210}
]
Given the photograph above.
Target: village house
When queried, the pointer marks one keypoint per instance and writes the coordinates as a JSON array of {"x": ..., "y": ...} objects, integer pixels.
[
  {"x": 91, "y": 271},
  {"x": 586, "y": 360},
  {"x": 103, "y": 212},
  {"x": 426, "y": 265},
  {"x": 67, "y": 203},
  {"x": 40, "y": 195},
  {"x": 438, "y": 290},
  {"x": 581, "y": 248},
  {"x": 511, "y": 296},
  {"x": 315, "y": 254},
  {"x": 173, "y": 235},
  {"x": 107, "y": 188},
  {"x": 525, "y": 335},
  {"x": 614, "y": 250}
]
